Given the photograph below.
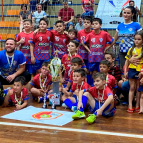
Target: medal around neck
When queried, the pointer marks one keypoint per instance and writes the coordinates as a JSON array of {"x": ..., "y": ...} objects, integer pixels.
[{"x": 44, "y": 104}]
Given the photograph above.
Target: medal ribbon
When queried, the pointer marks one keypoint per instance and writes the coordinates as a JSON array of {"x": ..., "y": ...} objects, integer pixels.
[
  {"x": 80, "y": 88},
  {"x": 18, "y": 101},
  {"x": 42, "y": 85},
  {"x": 10, "y": 64}
]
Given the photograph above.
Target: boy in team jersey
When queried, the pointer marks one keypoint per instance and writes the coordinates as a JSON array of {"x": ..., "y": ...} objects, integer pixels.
[
  {"x": 97, "y": 41},
  {"x": 23, "y": 42},
  {"x": 41, "y": 83},
  {"x": 40, "y": 45},
  {"x": 81, "y": 35},
  {"x": 18, "y": 95},
  {"x": 99, "y": 97},
  {"x": 60, "y": 40},
  {"x": 66, "y": 59},
  {"x": 114, "y": 69},
  {"x": 72, "y": 34},
  {"x": 71, "y": 98}
]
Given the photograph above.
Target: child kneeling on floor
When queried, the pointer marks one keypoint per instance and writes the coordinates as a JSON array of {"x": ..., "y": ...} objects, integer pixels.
[
  {"x": 40, "y": 82},
  {"x": 18, "y": 95},
  {"x": 99, "y": 97}
]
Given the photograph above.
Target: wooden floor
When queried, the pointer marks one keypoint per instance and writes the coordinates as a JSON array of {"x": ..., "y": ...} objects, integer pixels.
[{"x": 122, "y": 123}]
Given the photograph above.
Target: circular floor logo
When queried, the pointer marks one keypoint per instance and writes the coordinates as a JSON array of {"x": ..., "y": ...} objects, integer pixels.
[{"x": 47, "y": 115}]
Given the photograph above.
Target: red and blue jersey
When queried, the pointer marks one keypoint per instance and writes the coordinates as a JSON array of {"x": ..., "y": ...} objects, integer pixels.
[
  {"x": 86, "y": 5},
  {"x": 66, "y": 60},
  {"x": 79, "y": 87},
  {"x": 97, "y": 94},
  {"x": 36, "y": 81},
  {"x": 97, "y": 45},
  {"x": 25, "y": 47},
  {"x": 42, "y": 45},
  {"x": 111, "y": 82},
  {"x": 81, "y": 35},
  {"x": 24, "y": 96},
  {"x": 60, "y": 42}
]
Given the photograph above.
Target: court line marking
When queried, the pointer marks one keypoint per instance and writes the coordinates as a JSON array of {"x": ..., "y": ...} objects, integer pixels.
[{"x": 73, "y": 130}]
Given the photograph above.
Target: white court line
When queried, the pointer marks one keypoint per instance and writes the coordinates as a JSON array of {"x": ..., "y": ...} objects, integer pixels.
[{"x": 73, "y": 130}]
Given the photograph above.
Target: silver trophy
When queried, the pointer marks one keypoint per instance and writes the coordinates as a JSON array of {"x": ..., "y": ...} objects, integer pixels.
[
  {"x": 55, "y": 69},
  {"x": 44, "y": 104}
]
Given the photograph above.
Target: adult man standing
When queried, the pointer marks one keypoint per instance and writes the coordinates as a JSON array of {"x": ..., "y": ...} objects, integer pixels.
[
  {"x": 12, "y": 63},
  {"x": 66, "y": 14},
  {"x": 136, "y": 11},
  {"x": 37, "y": 15}
]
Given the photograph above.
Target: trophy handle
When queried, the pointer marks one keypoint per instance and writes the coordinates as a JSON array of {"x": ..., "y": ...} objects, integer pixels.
[{"x": 61, "y": 71}]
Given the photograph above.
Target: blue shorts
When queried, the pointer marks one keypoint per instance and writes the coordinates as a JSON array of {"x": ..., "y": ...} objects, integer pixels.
[
  {"x": 38, "y": 64},
  {"x": 29, "y": 68},
  {"x": 140, "y": 89},
  {"x": 93, "y": 66},
  {"x": 111, "y": 113},
  {"x": 75, "y": 97},
  {"x": 125, "y": 86},
  {"x": 133, "y": 74},
  {"x": 68, "y": 25}
]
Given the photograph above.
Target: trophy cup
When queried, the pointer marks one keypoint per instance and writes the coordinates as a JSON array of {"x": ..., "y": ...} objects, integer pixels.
[
  {"x": 44, "y": 104},
  {"x": 55, "y": 69}
]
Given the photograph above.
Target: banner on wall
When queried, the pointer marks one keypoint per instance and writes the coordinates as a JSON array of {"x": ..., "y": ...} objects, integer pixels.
[{"x": 109, "y": 10}]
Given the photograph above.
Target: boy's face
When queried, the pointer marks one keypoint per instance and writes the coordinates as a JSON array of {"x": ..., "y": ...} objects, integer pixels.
[
  {"x": 44, "y": 71},
  {"x": 104, "y": 68},
  {"x": 96, "y": 25},
  {"x": 71, "y": 35},
  {"x": 75, "y": 66},
  {"x": 109, "y": 58},
  {"x": 72, "y": 47},
  {"x": 87, "y": 24},
  {"x": 27, "y": 25},
  {"x": 17, "y": 86},
  {"x": 99, "y": 83},
  {"x": 39, "y": 8},
  {"x": 43, "y": 25},
  {"x": 77, "y": 78},
  {"x": 60, "y": 27},
  {"x": 79, "y": 20}
]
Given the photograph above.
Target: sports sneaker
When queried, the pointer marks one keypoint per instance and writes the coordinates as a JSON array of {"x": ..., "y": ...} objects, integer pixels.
[
  {"x": 40, "y": 99},
  {"x": 64, "y": 105},
  {"x": 91, "y": 118},
  {"x": 78, "y": 115},
  {"x": 74, "y": 108}
]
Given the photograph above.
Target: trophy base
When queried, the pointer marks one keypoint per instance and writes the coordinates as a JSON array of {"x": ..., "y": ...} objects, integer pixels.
[
  {"x": 53, "y": 107},
  {"x": 44, "y": 106}
]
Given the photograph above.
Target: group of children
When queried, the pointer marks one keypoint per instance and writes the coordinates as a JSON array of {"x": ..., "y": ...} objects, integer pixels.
[{"x": 90, "y": 78}]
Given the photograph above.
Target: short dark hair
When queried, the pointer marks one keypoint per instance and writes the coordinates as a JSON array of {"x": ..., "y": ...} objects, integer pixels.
[
  {"x": 38, "y": 4},
  {"x": 110, "y": 53},
  {"x": 44, "y": 19},
  {"x": 45, "y": 64},
  {"x": 88, "y": 18},
  {"x": 65, "y": 1},
  {"x": 77, "y": 60},
  {"x": 75, "y": 42},
  {"x": 11, "y": 39},
  {"x": 98, "y": 20},
  {"x": 131, "y": 1},
  {"x": 59, "y": 21},
  {"x": 81, "y": 71},
  {"x": 78, "y": 16},
  {"x": 28, "y": 20},
  {"x": 105, "y": 62},
  {"x": 20, "y": 79},
  {"x": 131, "y": 8},
  {"x": 73, "y": 30},
  {"x": 24, "y": 5},
  {"x": 100, "y": 75}
]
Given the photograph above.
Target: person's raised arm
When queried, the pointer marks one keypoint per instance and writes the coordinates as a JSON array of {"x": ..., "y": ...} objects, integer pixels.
[
  {"x": 139, "y": 12},
  {"x": 82, "y": 7}
]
